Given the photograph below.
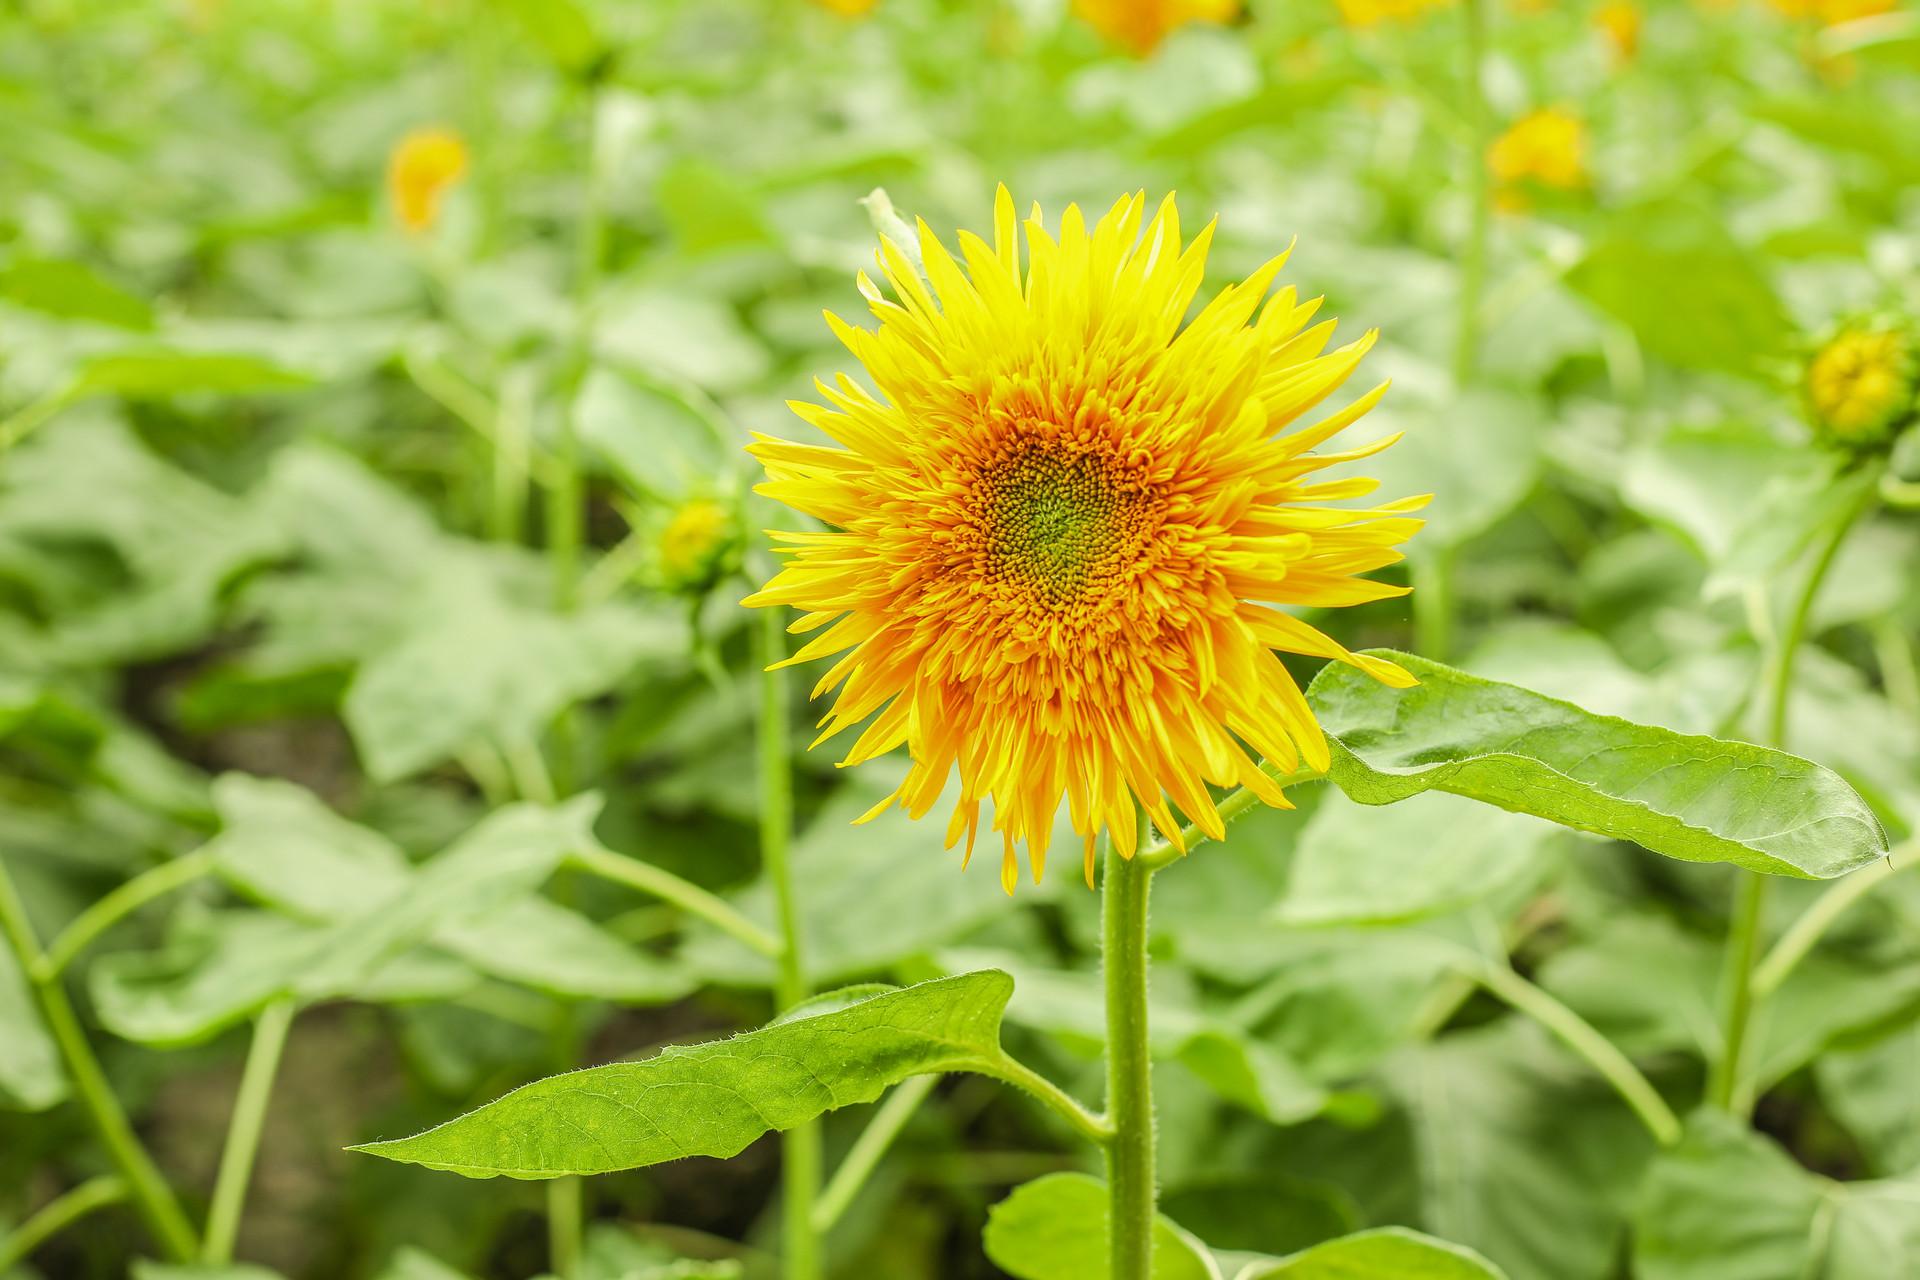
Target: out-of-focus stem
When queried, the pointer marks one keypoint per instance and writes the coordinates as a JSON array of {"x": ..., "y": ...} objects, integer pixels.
[
  {"x": 58, "y": 1215},
  {"x": 154, "y": 1199},
  {"x": 566, "y": 1221},
  {"x": 1473, "y": 256},
  {"x": 1725, "y": 1086},
  {"x": 124, "y": 900},
  {"x": 243, "y": 1131}
]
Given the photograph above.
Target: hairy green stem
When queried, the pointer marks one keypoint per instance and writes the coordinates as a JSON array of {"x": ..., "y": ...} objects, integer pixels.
[
  {"x": 1473, "y": 256},
  {"x": 57, "y": 1215},
  {"x": 154, "y": 1199},
  {"x": 1725, "y": 1083},
  {"x": 802, "y": 1160},
  {"x": 868, "y": 1149},
  {"x": 1580, "y": 1036},
  {"x": 1130, "y": 1160},
  {"x": 243, "y": 1131},
  {"x": 124, "y": 900},
  {"x": 1093, "y": 1128},
  {"x": 1237, "y": 802},
  {"x": 667, "y": 887},
  {"x": 566, "y": 1223}
]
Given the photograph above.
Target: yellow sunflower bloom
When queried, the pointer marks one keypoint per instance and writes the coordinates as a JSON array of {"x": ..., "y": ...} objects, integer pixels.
[
  {"x": 1139, "y": 26},
  {"x": 1062, "y": 533},
  {"x": 1860, "y": 386},
  {"x": 1547, "y": 146},
  {"x": 849, "y": 8},
  {"x": 421, "y": 169}
]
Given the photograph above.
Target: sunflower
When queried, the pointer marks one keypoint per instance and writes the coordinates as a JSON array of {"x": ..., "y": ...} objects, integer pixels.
[
  {"x": 1061, "y": 532},
  {"x": 1860, "y": 385},
  {"x": 422, "y": 167},
  {"x": 1139, "y": 26}
]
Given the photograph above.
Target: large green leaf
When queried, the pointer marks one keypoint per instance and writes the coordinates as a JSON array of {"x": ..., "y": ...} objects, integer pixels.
[
  {"x": 1056, "y": 1226},
  {"x": 1426, "y": 856},
  {"x": 1694, "y": 798},
  {"x": 73, "y": 291},
  {"x": 1523, "y": 1153},
  {"x": 1726, "y": 318},
  {"x": 150, "y": 373},
  {"x": 713, "y": 1099},
  {"x": 1387, "y": 1253},
  {"x": 1729, "y": 1204},
  {"x": 30, "y": 1074},
  {"x": 475, "y": 666}
]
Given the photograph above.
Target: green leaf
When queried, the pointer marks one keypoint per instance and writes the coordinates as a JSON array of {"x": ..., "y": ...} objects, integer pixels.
[
  {"x": 1727, "y": 318},
  {"x": 713, "y": 1099},
  {"x": 1387, "y": 1253},
  {"x": 1056, "y": 1226},
  {"x": 30, "y": 1074},
  {"x": 561, "y": 29},
  {"x": 216, "y": 972},
  {"x": 1870, "y": 1090},
  {"x": 1695, "y": 798},
  {"x": 202, "y": 1271},
  {"x": 73, "y": 291},
  {"x": 476, "y": 666},
  {"x": 1729, "y": 1204},
  {"x": 1523, "y": 1153},
  {"x": 157, "y": 372},
  {"x": 1427, "y": 856}
]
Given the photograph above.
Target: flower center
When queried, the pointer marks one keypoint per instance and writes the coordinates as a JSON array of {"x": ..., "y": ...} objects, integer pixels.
[{"x": 1058, "y": 521}]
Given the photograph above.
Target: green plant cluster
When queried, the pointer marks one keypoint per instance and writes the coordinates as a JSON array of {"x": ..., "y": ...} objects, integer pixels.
[{"x": 391, "y": 785}]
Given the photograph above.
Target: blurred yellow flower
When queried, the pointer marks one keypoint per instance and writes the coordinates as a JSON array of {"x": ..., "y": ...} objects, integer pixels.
[
  {"x": 849, "y": 8},
  {"x": 1361, "y": 14},
  {"x": 693, "y": 546},
  {"x": 1832, "y": 13},
  {"x": 1620, "y": 22},
  {"x": 1860, "y": 386},
  {"x": 1139, "y": 26},
  {"x": 1063, "y": 532},
  {"x": 1546, "y": 146},
  {"x": 422, "y": 167}
]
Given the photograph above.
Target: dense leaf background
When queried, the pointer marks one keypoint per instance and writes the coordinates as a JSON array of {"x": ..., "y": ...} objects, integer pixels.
[{"x": 275, "y": 594}]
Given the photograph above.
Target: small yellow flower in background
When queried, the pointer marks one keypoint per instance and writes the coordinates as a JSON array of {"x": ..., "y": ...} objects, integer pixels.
[
  {"x": 1139, "y": 26},
  {"x": 1620, "y": 22},
  {"x": 1547, "y": 146},
  {"x": 1362, "y": 14},
  {"x": 849, "y": 8},
  {"x": 695, "y": 545},
  {"x": 1831, "y": 13},
  {"x": 1861, "y": 385},
  {"x": 421, "y": 169},
  {"x": 1063, "y": 534}
]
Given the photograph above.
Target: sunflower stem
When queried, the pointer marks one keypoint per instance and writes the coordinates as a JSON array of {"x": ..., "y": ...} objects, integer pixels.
[
  {"x": 802, "y": 1161},
  {"x": 243, "y": 1131},
  {"x": 1473, "y": 257},
  {"x": 1130, "y": 1160},
  {"x": 1433, "y": 603},
  {"x": 1727, "y": 1087},
  {"x": 152, "y": 1197},
  {"x": 566, "y": 1215},
  {"x": 58, "y": 1215},
  {"x": 1239, "y": 801}
]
